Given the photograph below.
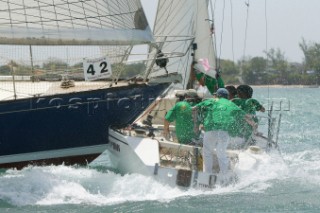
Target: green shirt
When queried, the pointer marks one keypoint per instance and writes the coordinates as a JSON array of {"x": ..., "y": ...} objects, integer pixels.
[
  {"x": 240, "y": 127},
  {"x": 211, "y": 83},
  {"x": 220, "y": 114},
  {"x": 248, "y": 105},
  {"x": 252, "y": 105},
  {"x": 182, "y": 114},
  {"x": 240, "y": 102}
]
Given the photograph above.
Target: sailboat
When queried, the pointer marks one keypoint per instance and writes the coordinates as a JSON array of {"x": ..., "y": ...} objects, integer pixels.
[
  {"x": 60, "y": 78},
  {"x": 142, "y": 147}
]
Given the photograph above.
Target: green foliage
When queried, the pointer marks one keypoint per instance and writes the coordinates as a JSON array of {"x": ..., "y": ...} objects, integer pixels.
[
  {"x": 5, "y": 70},
  {"x": 258, "y": 65},
  {"x": 229, "y": 67},
  {"x": 131, "y": 70},
  {"x": 253, "y": 70},
  {"x": 274, "y": 68},
  {"x": 55, "y": 64},
  {"x": 230, "y": 80},
  {"x": 311, "y": 53},
  {"x": 230, "y": 71}
]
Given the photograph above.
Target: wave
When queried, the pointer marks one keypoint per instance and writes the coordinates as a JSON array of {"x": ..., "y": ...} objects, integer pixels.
[{"x": 52, "y": 185}]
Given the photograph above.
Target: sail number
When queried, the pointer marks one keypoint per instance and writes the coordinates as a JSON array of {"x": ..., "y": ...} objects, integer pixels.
[
  {"x": 103, "y": 65},
  {"x": 96, "y": 69}
]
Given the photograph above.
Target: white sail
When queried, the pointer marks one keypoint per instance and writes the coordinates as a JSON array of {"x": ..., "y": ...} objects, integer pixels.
[
  {"x": 48, "y": 41},
  {"x": 73, "y": 22},
  {"x": 205, "y": 54},
  {"x": 177, "y": 23},
  {"x": 174, "y": 33}
]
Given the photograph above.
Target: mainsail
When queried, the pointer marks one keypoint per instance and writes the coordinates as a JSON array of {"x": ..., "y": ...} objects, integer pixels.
[
  {"x": 178, "y": 25},
  {"x": 73, "y": 22},
  {"x": 47, "y": 40}
]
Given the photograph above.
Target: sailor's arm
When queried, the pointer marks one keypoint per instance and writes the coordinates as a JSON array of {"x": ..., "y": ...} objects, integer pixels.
[
  {"x": 250, "y": 121},
  {"x": 220, "y": 81},
  {"x": 195, "y": 119},
  {"x": 166, "y": 130}
]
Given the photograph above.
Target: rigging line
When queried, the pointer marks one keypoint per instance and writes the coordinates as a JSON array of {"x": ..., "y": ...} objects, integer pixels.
[
  {"x": 169, "y": 28},
  {"x": 213, "y": 6},
  {"x": 246, "y": 29},
  {"x": 56, "y": 16},
  {"x": 169, "y": 8},
  {"x": 185, "y": 82},
  {"x": 36, "y": 16},
  {"x": 98, "y": 12},
  {"x": 245, "y": 42},
  {"x": 173, "y": 27},
  {"x": 220, "y": 48},
  {"x": 85, "y": 14},
  {"x": 267, "y": 56},
  {"x": 25, "y": 13},
  {"x": 40, "y": 14},
  {"x": 232, "y": 38},
  {"x": 10, "y": 14},
  {"x": 111, "y": 7},
  {"x": 62, "y": 7},
  {"x": 75, "y": 4}
]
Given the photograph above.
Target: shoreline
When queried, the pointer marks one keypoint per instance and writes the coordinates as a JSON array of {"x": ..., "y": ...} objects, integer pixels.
[{"x": 284, "y": 86}]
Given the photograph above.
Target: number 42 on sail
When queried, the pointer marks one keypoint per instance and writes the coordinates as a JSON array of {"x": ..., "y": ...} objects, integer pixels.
[{"x": 98, "y": 68}]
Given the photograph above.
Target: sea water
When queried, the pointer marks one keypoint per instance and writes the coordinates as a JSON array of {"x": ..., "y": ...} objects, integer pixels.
[{"x": 289, "y": 182}]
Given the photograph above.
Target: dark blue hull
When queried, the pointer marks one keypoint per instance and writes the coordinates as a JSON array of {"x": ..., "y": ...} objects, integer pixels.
[{"x": 68, "y": 128}]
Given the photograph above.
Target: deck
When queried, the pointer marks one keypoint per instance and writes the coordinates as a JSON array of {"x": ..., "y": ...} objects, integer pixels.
[{"x": 26, "y": 89}]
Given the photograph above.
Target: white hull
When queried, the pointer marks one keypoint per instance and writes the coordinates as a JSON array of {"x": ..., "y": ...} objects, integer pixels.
[{"x": 172, "y": 163}]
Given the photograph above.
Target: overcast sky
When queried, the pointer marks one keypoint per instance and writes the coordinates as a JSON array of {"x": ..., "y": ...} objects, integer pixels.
[{"x": 288, "y": 21}]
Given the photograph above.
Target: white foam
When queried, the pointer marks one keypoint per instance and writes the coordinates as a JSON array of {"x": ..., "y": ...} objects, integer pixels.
[{"x": 53, "y": 185}]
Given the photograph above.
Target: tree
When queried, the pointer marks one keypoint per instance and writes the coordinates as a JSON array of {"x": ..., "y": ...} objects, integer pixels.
[
  {"x": 258, "y": 65},
  {"x": 128, "y": 70},
  {"x": 5, "y": 70},
  {"x": 311, "y": 53},
  {"x": 278, "y": 63},
  {"x": 254, "y": 70},
  {"x": 230, "y": 71},
  {"x": 55, "y": 64}
]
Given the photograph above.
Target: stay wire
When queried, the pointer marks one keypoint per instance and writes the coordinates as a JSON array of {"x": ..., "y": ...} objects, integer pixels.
[
  {"x": 266, "y": 51},
  {"x": 214, "y": 40},
  {"x": 213, "y": 6},
  {"x": 232, "y": 30},
  {"x": 245, "y": 42},
  {"x": 246, "y": 29},
  {"x": 221, "y": 35}
]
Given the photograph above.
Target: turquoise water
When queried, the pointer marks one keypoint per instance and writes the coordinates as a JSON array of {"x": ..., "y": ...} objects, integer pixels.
[{"x": 290, "y": 183}]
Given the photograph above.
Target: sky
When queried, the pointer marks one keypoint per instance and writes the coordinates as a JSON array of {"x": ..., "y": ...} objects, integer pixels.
[{"x": 271, "y": 24}]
